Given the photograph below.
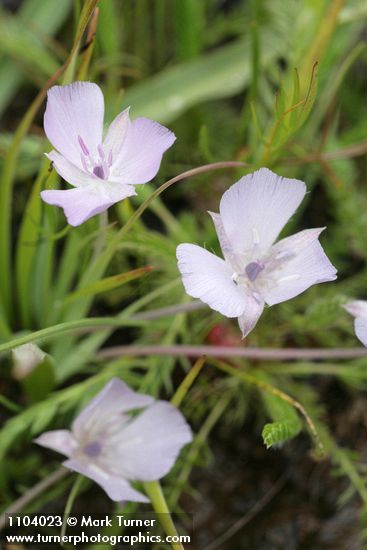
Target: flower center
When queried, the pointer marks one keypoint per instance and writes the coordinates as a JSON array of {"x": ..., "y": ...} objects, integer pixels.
[
  {"x": 93, "y": 449},
  {"x": 99, "y": 172},
  {"x": 99, "y": 168},
  {"x": 253, "y": 269}
]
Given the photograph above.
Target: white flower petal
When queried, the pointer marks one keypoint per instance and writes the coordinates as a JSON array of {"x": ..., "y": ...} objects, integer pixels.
[
  {"x": 247, "y": 321},
  {"x": 149, "y": 444},
  {"x": 142, "y": 151},
  {"x": 116, "y": 134},
  {"x": 292, "y": 245},
  {"x": 255, "y": 209},
  {"x": 117, "y": 488},
  {"x": 61, "y": 441},
  {"x": 224, "y": 242},
  {"x": 69, "y": 172},
  {"x": 209, "y": 278},
  {"x": 360, "y": 327},
  {"x": 84, "y": 202},
  {"x": 72, "y": 111},
  {"x": 115, "y": 398},
  {"x": 357, "y": 308},
  {"x": 307, "y": 265}
]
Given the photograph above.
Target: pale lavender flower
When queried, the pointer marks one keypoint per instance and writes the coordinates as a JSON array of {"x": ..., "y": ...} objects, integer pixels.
[
  {"x": 358, "y": 309},
  {"x": 255, "y": 271},
  {"x": 112, "y": 448},
  {"x": 103, "y": 171}
]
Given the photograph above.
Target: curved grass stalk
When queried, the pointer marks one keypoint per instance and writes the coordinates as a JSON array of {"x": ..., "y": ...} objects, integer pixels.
[
  {"x": 98, "y": 267},
  {"x": 69, "y": 326},
  {"x": 92, "y": 323},
  {"x": 187, "y": 382}
]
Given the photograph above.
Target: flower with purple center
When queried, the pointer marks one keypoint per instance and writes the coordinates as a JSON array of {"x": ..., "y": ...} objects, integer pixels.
[
  {"x": 113, "y": 447},
  {"x": 102, "y": 171},
  {"x": 255, "y": 271},
  {"x": 358, "y": 308}
]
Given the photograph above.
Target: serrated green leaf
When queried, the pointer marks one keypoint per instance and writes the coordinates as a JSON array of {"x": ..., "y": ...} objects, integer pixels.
[
  {"x": 279, "y": 432},
  {"x": 286, "y": 425}
]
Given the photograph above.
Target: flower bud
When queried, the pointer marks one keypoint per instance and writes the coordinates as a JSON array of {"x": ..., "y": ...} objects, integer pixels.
[{"x": 25, "y": 359}]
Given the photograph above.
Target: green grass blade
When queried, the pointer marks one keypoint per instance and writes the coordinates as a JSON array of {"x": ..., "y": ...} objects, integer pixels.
[
  {"x": 23, "y": 45},
  {"x": 106, "y": 284},
  {"x": 189, "y": 16},
  {"x": 29, "y": 235},
  {"x": 10, "y": 164},
  {"x": 47, "y": 17}
]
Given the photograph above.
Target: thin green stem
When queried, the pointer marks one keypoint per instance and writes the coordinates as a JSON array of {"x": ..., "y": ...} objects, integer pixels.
[
  {"x": 69, "y": 503},
  {"x": 101, "y": 236},
  {"x": 155, "y": 493},
  {"x": 10, "y": 405},
  {"x": 187, "y": 382},
  {"x": 68, "y": 326}
]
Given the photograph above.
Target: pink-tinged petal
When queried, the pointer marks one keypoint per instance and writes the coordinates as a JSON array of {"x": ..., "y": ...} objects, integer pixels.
[
  {"x": 209, "y": 278},
  {"x": 357, "y": 308},
  {"x": 247, "y": 321},
  {"x": 115, "y": 398},
  {"x": 255, "y": 209},
  {"x": 69, "y": 172},
  {"x": 141, "y": 155},
  {"x": 117, "y": 488},
  {"x": 116, "y": 134},
  {"x": 61, "y": 441},
  {"x": 303, "y": 263},
  {"x": 84, "y": 202},
  {"x": 148, "y": 447},
  {"x": 74, "y": 110},
  {"x": 360, "y": 327}
]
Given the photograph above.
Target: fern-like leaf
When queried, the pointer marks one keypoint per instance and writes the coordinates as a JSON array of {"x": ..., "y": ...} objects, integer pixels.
[{"x": 276, "y": 433}]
